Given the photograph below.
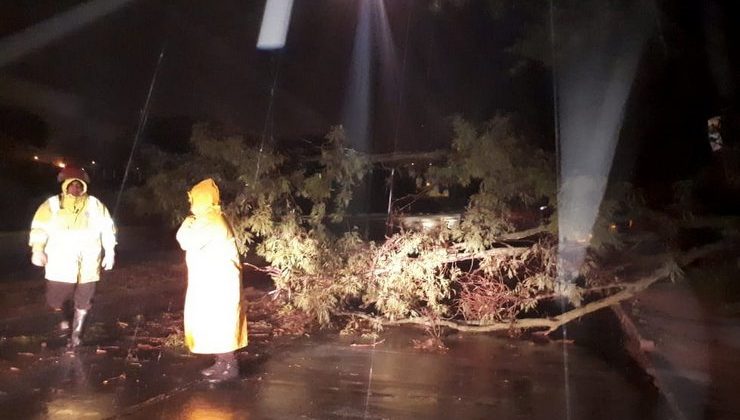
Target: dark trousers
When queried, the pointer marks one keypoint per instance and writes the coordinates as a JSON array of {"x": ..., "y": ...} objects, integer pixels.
[{"x": 58, "y": 292}]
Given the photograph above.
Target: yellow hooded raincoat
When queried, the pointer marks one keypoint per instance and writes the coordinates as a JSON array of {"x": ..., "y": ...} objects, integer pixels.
[
  {"x": 215, "y": 321},
  {"x": 73, "y": 232}
]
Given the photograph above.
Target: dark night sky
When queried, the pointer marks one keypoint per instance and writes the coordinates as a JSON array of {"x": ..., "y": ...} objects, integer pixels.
[
  {"x": 90, "y": 85},
  {"x": 212, "y": 71}
]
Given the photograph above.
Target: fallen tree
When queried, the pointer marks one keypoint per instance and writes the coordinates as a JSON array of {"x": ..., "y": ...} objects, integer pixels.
[
  {"x": 667, "y": 270},
  {"x": 479, "y": 275}
]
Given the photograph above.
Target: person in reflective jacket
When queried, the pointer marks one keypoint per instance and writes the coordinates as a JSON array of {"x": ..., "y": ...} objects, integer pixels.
[
  {"x": 72, "y": 234},
  {"x": 215, "y": 322}
]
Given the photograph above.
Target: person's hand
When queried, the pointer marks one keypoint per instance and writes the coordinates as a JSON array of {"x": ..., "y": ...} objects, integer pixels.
[
  {"x": 108, "y": 261},
  {"x": 39, "y": 259}
]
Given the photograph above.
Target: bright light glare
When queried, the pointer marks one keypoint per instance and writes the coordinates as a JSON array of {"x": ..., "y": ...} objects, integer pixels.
[
  {"x": 275, "y": 22},
  {"x": 61, "y": 164},
  {"x": 357, "y": 110},
  {"x": 595, "y": 81},
  {"x": 35, "y": 157},
  {"x": 16, "y": 46}
]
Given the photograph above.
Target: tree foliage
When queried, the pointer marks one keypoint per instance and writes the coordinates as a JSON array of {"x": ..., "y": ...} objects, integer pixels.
[
  {"x": 507, "y": 171},
  {"x": 287, "y": 208}
]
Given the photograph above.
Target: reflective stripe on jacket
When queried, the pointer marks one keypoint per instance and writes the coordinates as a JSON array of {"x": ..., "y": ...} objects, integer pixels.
[{"x": 73, "y": 232}]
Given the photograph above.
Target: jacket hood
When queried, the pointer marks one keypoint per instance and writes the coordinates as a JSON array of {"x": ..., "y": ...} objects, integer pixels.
[
  {"x": 68, "y": 181},
  {"x": 204, "y": 197},
  {"x": 73, "y": 172}
]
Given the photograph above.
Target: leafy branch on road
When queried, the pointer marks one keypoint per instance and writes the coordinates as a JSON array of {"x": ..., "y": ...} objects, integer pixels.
[{"x": 482, "y": 274}]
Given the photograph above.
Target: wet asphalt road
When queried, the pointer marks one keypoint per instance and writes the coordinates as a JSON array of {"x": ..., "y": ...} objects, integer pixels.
[
  {"x": 480, "y": 377},
  {"x": 319, "y": 377},
  {"x": 326, "y": 377}
]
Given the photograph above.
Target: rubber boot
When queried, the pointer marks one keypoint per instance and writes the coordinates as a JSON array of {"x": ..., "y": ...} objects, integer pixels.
[
  {"x": 228, "y": 368},
  {"x": 63, "y": 324},
  {"x": 77, "y": 324},
  {"x": 211, "y": 370}
]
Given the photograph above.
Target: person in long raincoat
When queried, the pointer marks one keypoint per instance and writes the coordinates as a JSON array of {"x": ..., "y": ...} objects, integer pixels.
[
  {"x": 72, "y": 234},
  {"x": 215, "y": 321}
]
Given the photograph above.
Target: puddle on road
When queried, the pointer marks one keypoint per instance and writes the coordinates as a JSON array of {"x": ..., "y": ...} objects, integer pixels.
[
  {"x": 324, "y": 376},
  {"x": 479, "y": 377},
  {"x": 41, "y": 378}
]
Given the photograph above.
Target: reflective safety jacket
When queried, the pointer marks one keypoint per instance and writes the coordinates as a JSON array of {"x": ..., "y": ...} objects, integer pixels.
[
  {"x": 215, "y": 321},
  {"x": 73, "y": 232}
]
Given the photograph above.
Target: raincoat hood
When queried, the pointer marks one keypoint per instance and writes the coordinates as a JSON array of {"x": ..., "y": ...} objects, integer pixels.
[
  {"x": 73, "y": 172},
  {"x": 68, "y": 181},
  {"x": 204, "y": 197}
]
